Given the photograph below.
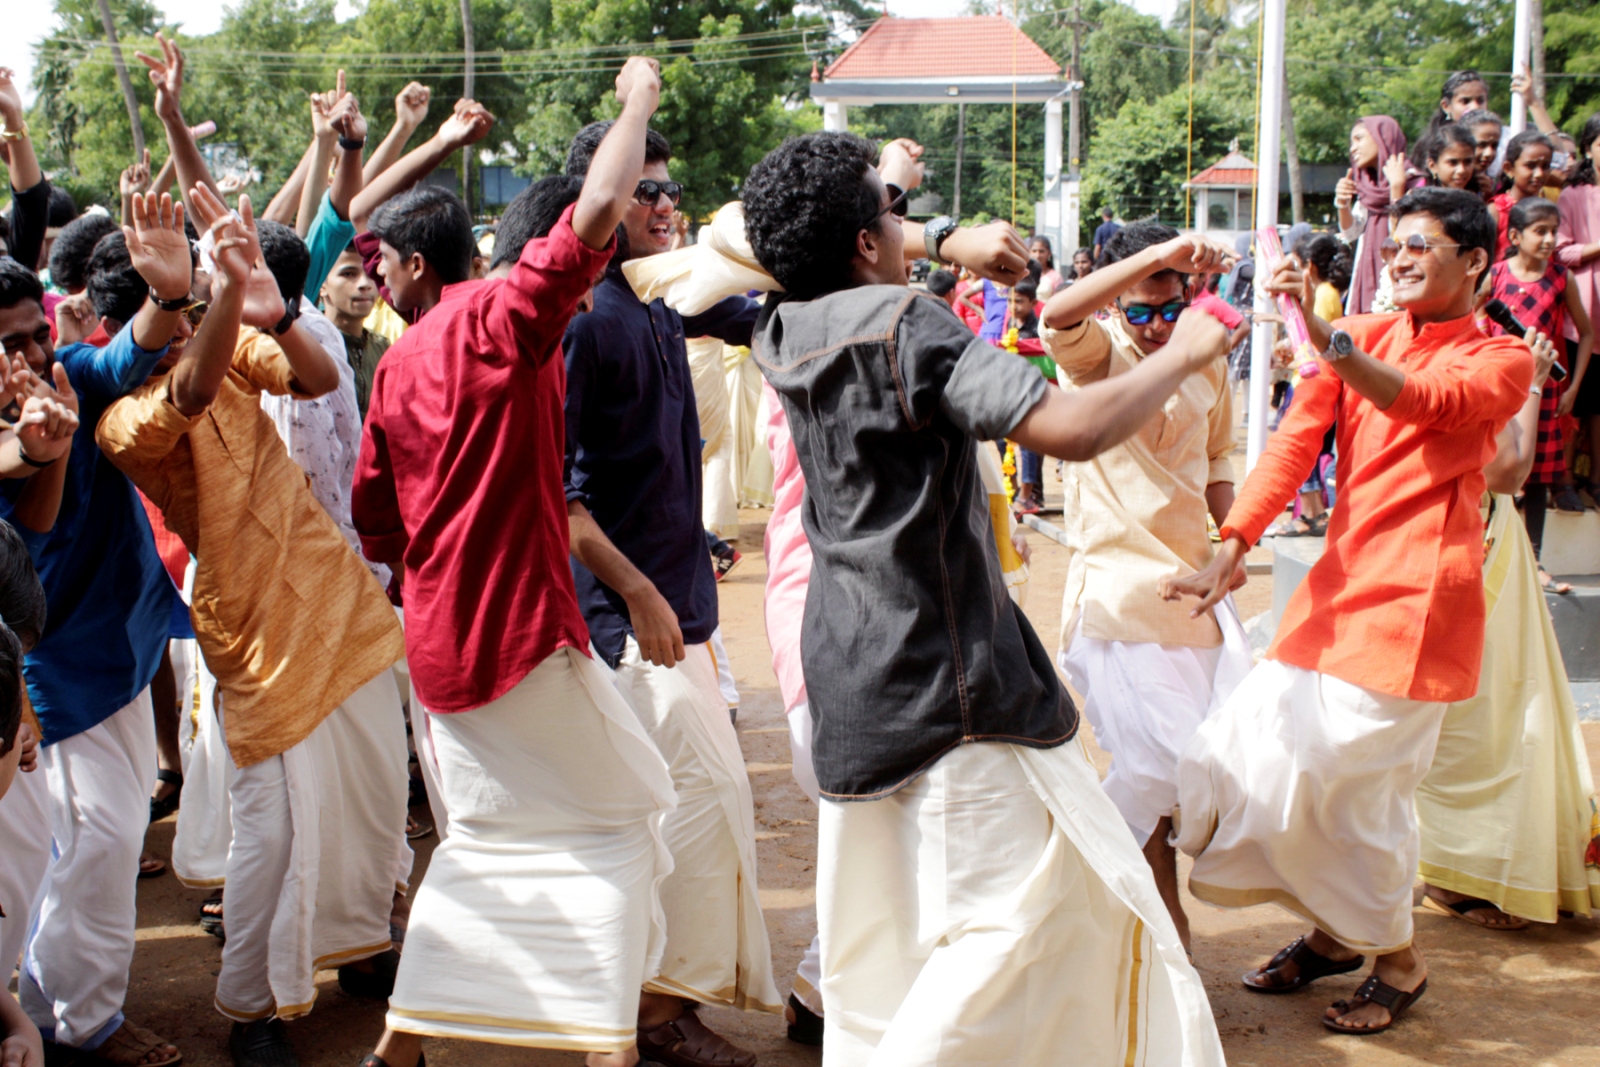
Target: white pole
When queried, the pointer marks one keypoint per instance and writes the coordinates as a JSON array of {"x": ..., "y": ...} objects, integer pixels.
[
  {"x": 1520, "y": 46},
  {"x": 1267, "y": 150},
  {"x": 834, "y": 117},
  {"x": 1053, "y": 223}
]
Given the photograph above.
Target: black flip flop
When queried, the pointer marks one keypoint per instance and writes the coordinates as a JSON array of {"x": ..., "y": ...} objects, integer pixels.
[
  {"x": 1309, "y": 963},
  {"x": 1375, "y": 991},
  {"x": 160, "y": 809}
]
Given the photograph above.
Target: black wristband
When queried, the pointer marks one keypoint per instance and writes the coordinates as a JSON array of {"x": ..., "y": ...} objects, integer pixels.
[
  {"x": 350, "y": 145},
  {"x": 30, "y": 461},
  {"x": 169, "y": 305}
]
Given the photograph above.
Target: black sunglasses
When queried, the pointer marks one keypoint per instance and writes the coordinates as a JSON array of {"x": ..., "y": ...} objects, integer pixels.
[
  {"x": 896, "y": 205},
  {"x": 1141, "y": 314},
  {"x": 650, "y": 191}
]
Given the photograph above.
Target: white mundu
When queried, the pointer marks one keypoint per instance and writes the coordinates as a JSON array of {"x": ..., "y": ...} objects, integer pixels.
[
  {"x": 25, "y": 846},
  {"x": 717, "y": 949},
  {"x": 1145, "y": 701},
  {"x": 1299, "y": 793},
  {"x": 75, "y": 971},
  {"x": 205, "y": 819},
  {"x": 312, "y": 870},
  {"x": 996, "y": 910},
  {"x": 537, "y": 921}
]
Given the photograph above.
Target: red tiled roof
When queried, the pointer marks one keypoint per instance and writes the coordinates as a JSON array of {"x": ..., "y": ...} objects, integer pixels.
[
  {"x": 977, "y": 46},
  {"x": 1231, "y": 169}
]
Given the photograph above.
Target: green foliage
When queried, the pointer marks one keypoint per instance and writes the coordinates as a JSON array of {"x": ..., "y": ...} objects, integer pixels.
[{"x": 1138, "y": 158}]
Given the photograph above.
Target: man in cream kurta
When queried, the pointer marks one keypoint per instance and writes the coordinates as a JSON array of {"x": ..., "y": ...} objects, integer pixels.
[
  {"x": 1149, "y": 673},
  {"x": 300, "y": 638}
]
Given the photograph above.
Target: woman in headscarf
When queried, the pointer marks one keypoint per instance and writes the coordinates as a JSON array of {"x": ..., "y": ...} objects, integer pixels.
[{"x": 1377, "y": 177}]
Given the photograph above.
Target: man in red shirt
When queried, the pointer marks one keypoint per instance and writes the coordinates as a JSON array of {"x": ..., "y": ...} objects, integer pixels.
[
  {"x": 536, "y": 922},
  {"x": 1299, "y": 790}
]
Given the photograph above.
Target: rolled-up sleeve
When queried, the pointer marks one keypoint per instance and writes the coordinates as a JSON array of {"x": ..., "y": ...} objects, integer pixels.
[
  {"x": 1455, "y": 393},
  {"x": 260, "y": 360},
  {"x": 1078, "y": 349}
]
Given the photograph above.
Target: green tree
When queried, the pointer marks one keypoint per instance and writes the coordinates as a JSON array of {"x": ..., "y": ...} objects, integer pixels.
[{"x": 1136, "y": 160}]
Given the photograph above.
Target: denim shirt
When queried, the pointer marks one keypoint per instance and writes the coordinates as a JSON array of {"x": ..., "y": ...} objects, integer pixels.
[
  {"x": 910, "y": 644},
  {"x": 633, "y": 452}
]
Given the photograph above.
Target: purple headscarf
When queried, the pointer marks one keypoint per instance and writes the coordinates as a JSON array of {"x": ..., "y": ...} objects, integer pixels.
[{"x": 1373, "y": 190}]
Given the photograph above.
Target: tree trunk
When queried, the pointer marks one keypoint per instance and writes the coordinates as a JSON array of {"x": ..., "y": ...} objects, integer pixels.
[
  {"x": 1536, "y": 48},
  {"x": 127, "y": 83},
  {"x": 467, "y": 86},
  {"x": 1291, "y": 151},
  {"x": 961, "y": 144}
]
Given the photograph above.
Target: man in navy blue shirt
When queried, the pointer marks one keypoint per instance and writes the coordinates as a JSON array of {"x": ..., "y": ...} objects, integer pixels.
[
  {"x": 1104, "y": 232},
  {"x": 648, "y": 593},
  {"x": 110, "y": 606}
]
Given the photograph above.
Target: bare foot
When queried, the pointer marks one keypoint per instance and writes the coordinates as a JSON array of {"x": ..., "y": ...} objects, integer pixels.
[{"x": 399, "y": 1049}]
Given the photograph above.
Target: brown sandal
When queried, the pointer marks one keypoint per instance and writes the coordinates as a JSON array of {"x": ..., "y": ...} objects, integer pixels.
[
  {"x": 128, "y": 1046},
  {"x": 688, "y": 1042},
  {"x": 1462, "y": 910},
  {"x": 1309, "y": 966},
  {"x": 1375, "y": 991}
]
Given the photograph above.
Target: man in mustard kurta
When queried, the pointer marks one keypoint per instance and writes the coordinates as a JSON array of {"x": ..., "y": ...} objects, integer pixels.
[
  {"x": 299, "y": 636},
  {"x": 1148, "y": 672}
]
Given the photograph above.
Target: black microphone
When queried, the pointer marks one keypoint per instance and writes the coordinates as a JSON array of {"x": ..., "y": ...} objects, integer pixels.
[{"x": 1501, "y": 316}]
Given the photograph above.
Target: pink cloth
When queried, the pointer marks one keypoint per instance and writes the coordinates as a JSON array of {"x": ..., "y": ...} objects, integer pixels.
[
  {"x": 1580, "y": 225},
  {"x": 1218, "y": 309},
  {"x": 788, "y": 555}
]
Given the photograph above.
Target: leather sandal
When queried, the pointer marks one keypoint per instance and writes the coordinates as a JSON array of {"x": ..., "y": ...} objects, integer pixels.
[
  {"x": 1309, "y": 966},
  {"x": 377, "y": 983},
  {"x": 805, "y": 1026},
  {"x": 261, "y": 1043},
  {"x": 1461, "y": 909},
  {"x": 688, "y": 1042},
  {"x": 160, "y": 809},
  {"x": 1374, "y": 991},
  {"x": 128, "y": 1046}
]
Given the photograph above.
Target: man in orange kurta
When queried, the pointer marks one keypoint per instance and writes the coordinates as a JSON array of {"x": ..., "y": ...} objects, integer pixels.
[{"x": 1299, "y": 790}]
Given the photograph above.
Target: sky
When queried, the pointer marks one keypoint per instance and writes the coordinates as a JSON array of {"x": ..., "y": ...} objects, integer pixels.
[{"x": 32, "y": 20}]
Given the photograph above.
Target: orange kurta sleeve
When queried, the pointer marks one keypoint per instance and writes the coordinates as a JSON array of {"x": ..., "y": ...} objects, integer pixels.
[{"x": 1288, "y": 458}]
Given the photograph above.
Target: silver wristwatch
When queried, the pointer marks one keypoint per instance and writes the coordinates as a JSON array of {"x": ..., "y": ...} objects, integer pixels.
[
  {"x": 1340, "y": 345},
  {"x": 934, "y": 233}
]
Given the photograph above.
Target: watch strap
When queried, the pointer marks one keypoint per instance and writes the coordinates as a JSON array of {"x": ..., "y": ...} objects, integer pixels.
[
  {"x": 291, "y": 312},
  {"x": 350, "y": 144},
  {"x": 169, "y": 305},
  {"x": 934, "y": 233}
]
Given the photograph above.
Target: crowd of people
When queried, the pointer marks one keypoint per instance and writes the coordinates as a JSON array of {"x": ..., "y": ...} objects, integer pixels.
[{"x": 297, "y": 501}]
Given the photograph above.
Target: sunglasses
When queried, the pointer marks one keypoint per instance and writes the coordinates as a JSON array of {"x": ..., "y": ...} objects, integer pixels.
[
  {"x": 896, "y": 205},
  {"x": 1416, "y": 246},
  {"x": 196, "y": 312},
  {"x": 1142, "y": 314},
  {"x": 649, "y": 192}
]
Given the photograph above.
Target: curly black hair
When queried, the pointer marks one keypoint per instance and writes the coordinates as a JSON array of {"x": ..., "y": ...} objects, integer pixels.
[
  {"x": 804, "y": 204},
  {"x": 69, "y": 255},
  {"x": 286, "y": 256},
  {"x": 115, "y": 287},
  {"x": 18, "y": 283},
  {"x": 1133, "y": 239},
  {"x": 657, "y": 149}
]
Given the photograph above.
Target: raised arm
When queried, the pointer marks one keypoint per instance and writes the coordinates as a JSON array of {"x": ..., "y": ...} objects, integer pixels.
[
  {"x": 351, "y": 127},
  {"x": 286, "y": 201},
  {"x": 1516, "y": 449},
  {"x": 410, "y": 109},
  {"x": 1190, "y": 254},
  {"x": 614, "y": 173},
  {"x": 134, "y": 180},
  {"x": 322, "y": 145},
  {"x": 167, "y": 75},
  {"x": 469, "y": 124},
  {"x": 22, "y": 161},
  {"x": 49, "y": 420},
  {"x": 200, "y": 372}
]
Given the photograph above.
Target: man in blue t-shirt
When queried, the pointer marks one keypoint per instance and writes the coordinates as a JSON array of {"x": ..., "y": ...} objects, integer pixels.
[
  {"x": 1104, "y": 232},
  {"x": 110, "y": 607}
]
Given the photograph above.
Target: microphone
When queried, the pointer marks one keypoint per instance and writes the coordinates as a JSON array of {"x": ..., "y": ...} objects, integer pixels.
[{"x": 1501, "y": 316}]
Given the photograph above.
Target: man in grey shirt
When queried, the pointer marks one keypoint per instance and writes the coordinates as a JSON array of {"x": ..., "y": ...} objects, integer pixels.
[{"x": 978, "y": 878}]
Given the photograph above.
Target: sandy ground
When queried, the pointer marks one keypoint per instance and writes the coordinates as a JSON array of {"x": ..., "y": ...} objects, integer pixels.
[{"x": 1493, "y": 999}]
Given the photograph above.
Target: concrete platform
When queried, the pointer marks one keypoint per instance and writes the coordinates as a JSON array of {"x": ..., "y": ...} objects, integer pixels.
[{"x": 1576, "y": 615}]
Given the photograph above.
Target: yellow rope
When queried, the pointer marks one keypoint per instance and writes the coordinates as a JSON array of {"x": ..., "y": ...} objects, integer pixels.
[
  {"x": 1188, "y": 173},
  {"x": 1016, "y": 31}
]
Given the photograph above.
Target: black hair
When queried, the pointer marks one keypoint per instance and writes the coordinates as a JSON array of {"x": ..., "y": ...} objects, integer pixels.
[
  {"x": 69, "y": 255},
  {"x": 1434, "y": 144},
  {"x": 941, "y": 282},
  {"x": 1133, "y": 239},
  {"x": 286, "y": 256},
  {"x": 1529, "y": 210},
  {"x": 1027, "y": 287},
  {"x": 63, "y": 209},
  {"x": 1107, "y": 213},
  {"x": 5, "y": 231},
  {"x": 115, "y": 288},
  {"x": 1329, "y": 255},
  {"x": 1514, "y": 149},
  {"x": 587, "y": 142},
  {"x": 1440, "y": 117},
  {"x": 533, "y": 213},
  {"x": 1463, "y": 216},
  {"x": 1050, "y": 249},
  {"x": 18, "y": 283},
  {"x": 1586, "y": 139},
  {"x": 22, "y": 618},
  {"x": 804, "y": 204},
  {"x": 432, "y": 221},
  {"x": 1478, "y": 117}
]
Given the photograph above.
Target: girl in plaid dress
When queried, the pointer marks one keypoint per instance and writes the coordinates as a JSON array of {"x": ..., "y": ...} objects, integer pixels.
[{"x": 1536, "y": 291}]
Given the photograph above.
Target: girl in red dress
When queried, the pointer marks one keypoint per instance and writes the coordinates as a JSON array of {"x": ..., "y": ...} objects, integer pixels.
[
  {"x": 1527, "y": 161},
  {"x": 1535, "y": 289}
]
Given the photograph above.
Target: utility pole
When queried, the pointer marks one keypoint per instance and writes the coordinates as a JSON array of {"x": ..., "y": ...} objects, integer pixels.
[
  {"x": 127, "y": 83},
  {"x": 961, "y": 144},
  {"x": 466, "y": 91},
  {"x": 1070, "y": 233}
]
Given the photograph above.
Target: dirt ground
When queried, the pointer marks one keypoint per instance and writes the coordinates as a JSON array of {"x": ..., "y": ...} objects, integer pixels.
[{"x": 1494, "y": 999}]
